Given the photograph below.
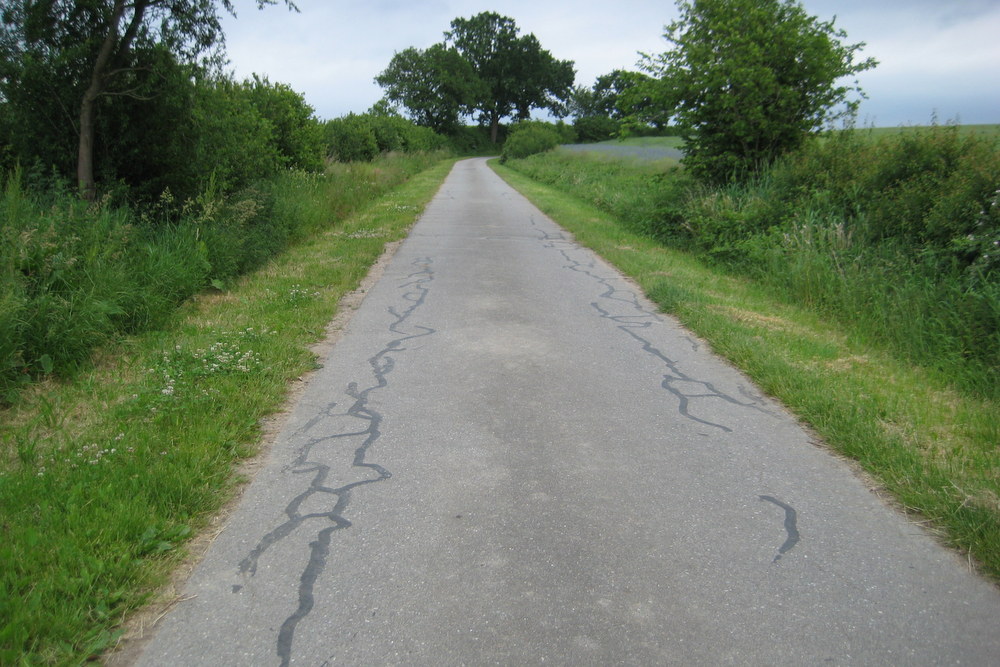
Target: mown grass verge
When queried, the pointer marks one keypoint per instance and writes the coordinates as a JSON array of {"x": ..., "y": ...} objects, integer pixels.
[
  {"x": 931, "y": 446},
  {"x": 103, "y": 478}
]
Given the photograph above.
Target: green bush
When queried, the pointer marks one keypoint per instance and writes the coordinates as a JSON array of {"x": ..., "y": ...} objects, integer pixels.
[
  {"x": 475, "y": 140},
  {"x": 298, "y": 136},
  {"x": 529, "y": 138},
  {"x": 234, "y": 143},
  {"x": 360, "y": 138},
  {"x": 351, "y": 139},
  {"x": 898, "y": 236},
  {"x": 417, "y": 139},
  {"x": 596, "y": 128}
]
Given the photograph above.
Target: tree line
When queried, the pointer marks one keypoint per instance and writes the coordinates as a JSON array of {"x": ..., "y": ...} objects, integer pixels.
[
  {"x": 132, "y": 94},
  {"x": 130, "y": 99},
  {"x": 744, "y": 82}
]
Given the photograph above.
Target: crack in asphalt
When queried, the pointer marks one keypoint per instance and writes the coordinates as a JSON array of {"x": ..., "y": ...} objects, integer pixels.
[
  {"x": 791, "y": 527},
  {"x": 631, "y": 324},
  {"x": 416, "y": 288}
]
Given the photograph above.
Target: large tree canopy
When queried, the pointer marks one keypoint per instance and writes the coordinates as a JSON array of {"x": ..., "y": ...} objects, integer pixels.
[
  {"x": 436, "y": 85},
  {"x": 749, "y": 79},
  {"x": 504, "y": 75},
  {"x": 65, "y": 55},
  {"x": 601, "y": 100}
]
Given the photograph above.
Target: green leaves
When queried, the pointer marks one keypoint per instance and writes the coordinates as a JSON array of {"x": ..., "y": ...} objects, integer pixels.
[
  {"x": 105, "y": 85},
  {"x": 436, "y": 85},
  {"x": 517, "y": 73},
  {"x": 157, "y": 541},
  {"x": 749, "y": 80},
  {"x": 482, "y": 67}
]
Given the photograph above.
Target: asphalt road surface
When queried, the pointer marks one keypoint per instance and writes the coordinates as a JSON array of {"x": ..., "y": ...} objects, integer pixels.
[{"x": 512, "y": 458}]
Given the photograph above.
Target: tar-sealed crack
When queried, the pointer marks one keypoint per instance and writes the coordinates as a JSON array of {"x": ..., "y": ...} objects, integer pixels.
[
  {"x": 791, "y": 527},
  {"x": 687, "y": 390},
  {"x": 335, "y": 500}
]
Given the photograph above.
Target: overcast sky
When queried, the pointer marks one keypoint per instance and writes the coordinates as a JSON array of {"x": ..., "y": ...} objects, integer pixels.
[{"x": 938, "y": 58}]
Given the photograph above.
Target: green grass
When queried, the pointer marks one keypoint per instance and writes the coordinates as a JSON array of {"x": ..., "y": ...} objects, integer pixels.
[
  {"x": 933, "y": 448},
  {"x": 103, "y": 478},
  {"x": 874, "y": 133}
]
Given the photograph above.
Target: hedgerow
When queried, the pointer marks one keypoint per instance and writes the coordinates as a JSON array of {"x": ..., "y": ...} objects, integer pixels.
[{"x": 896, "y": 235}]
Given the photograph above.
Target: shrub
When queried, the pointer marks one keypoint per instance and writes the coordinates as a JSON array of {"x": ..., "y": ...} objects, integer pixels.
[
  {"x": 360, "y": 138},
  {"x": 596, "y": 128},
  {"x": 234, "y": 144},
  {"x": 417, "y": 139},
  {"x": 475, "y": 140},
  {"x": 298, "y": 136},
  {"x": 530, "y": 138},
  {"x": 351, "y": 139}
]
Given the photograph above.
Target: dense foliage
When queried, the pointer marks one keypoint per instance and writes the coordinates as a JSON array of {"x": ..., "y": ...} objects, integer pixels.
[
  {"x": 187, "y": 162},
  {"x": 749, "y": 80},
  {"x": 530, "y": 137},
  {"x": 436, "y": 86},
  {"x": 66, "y": 59},
  {"x": 178, "y": 124},
  {"x": 73, "y": 276},
  {"x": 355, "y": 138},
  {"x": 597, "y": 111},
  {"x": 483, "y": 68},
  {"x": 898, "y": 235}
]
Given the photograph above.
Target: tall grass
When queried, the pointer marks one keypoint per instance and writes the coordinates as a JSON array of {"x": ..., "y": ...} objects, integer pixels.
[
  {"x": 73, "y": 276},
  {"x": 895, "y": 235},
  {"x": 646, "y": 196}
]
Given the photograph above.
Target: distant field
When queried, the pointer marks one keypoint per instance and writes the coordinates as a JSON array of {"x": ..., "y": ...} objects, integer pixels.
[
  {"x": 640, "y": 148},
  {"x": 669, "y": 150},
  {"x": 986, "y": 130}
]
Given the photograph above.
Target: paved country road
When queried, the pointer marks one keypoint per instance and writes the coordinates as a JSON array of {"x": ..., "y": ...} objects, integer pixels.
[{"x": 512, "y": 458}]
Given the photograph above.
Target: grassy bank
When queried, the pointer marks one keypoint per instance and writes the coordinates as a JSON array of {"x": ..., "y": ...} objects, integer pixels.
[
  {"x": 929, "y": 442},
  {"x": 104, "y": 477},
  {"x": 74, "y": 276},
  {"x": 893, "y": 235}
]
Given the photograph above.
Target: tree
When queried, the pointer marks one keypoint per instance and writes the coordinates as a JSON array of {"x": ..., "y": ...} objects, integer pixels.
[
  {"x": 436, "y": 85},
  {"x": 516, "y": 73},
  {"x": 641, "y": 104},
  {"x": 482, "y": 67},
  {"x": 749, "y": 79},
  {"x": 298, "y": 136},
  {"x": 95, "y": 48},
  {"x": 596, "y": 110},
  {"x": 601, "y": 100}
]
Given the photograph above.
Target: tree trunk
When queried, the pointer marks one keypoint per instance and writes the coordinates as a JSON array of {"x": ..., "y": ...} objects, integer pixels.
[
  {"x": 98, "y": 83},
  {"x": 494, "y": 126},
  {"x": 85, "y": 155}
]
